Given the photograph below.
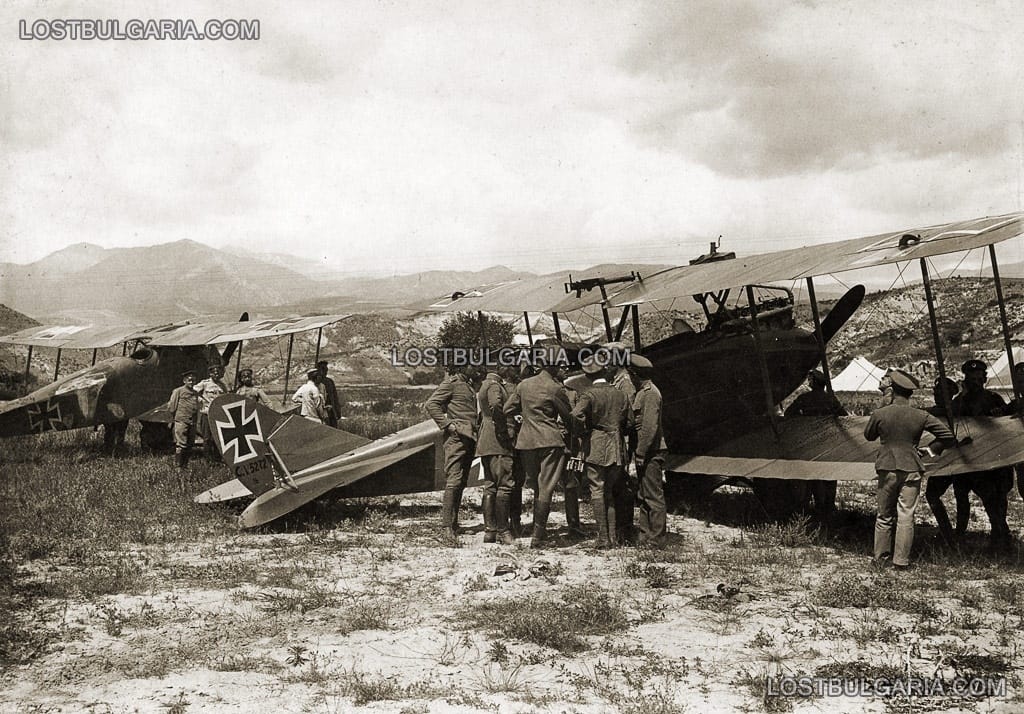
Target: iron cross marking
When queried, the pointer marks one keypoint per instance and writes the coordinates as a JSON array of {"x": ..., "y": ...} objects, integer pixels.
[
  {"x": 240, "y": 432},
  {"x": 45, "y": 417}
]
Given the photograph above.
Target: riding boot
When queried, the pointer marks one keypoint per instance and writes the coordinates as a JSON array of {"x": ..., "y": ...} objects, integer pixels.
[
  {"x": 541, "y": 509},
  {"x": 449, "y": 522},
  {"x": 456, "y": 505},
  {"x": 515, "y": 513},
  {"x": 572, "y": 511},
  {"x": 601, "y": 517},
  {"x": 490, "y": 530},
  {"x": 501, "y": 508}
]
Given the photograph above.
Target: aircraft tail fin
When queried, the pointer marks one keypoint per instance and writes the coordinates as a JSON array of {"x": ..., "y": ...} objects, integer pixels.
[{"x": 240, "y": 427}]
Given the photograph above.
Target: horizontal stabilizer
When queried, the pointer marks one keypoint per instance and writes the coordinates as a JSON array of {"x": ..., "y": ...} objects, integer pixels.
[
  {"x": 226, "y": 491},
  {"x": 299, "y": 443}
]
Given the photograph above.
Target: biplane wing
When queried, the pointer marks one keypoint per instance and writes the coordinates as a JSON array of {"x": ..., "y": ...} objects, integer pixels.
[
  {"x": 287, "y": 462},
  {"x": 127, "y": 387},
  {"x": 834, "y": 449}
]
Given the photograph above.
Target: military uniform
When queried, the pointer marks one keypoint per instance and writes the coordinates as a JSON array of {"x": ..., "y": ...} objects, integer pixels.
[
  {"x": 251, "y": 391},
  {"x": 329, "y": 392},
  {"x": 899, "y": 426},
  {"x": 208, "y": 390},
  {"x": 184, "y": 408},
  {"x": 650, "y": 460},
  {"x": 309, "y": 399},
  {"x": 453, "y": 407},
  {"x": 603, "y": 417},
  {"x": 818, "y": 402},
  {"x": 494, "y": 447},
  {"x": 991, "y": 486},
  {"x": 542, "y": 402},
  {"x": 625, "y": 491},
  {"x": 936, "y": 486}
]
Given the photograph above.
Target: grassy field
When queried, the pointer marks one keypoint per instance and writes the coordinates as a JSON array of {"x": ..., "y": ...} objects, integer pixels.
[{"x": 121, "y": 594}]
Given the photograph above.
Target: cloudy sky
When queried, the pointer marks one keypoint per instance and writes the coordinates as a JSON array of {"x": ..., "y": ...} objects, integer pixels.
[{"x": 400, "y": 136}]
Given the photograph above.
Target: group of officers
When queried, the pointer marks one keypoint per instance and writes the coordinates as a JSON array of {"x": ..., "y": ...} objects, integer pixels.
[
  {"x": 532, "y": 426},
  {"x": 189, "y": 404}
]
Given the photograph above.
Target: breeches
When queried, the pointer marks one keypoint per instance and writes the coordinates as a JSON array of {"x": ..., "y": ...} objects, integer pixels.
[
  {"x": 498, "y": 479},
  {"x": 458, "y": 457},
  {"x": 544, "y": 466}
]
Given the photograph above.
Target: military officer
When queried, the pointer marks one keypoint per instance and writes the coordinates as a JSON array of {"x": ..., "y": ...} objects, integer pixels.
[
  {"x": 184, "y": 408},
  {"x": 992, "y": 486},
  {"x": 650, "y": 454},
  {"x": 544, "y": 406},
  {"x": 603, "y": 417},
  {"x": 625, "y": 492},
  {"x": 250, "y": 391},
  {"x": 330, "y": 394},
  {"x": 208, "y": 390},
  {"x": 899, "y": 426},
  {"x": 453, "y": 407},
  {"x": 818, "y": 402},
  {"x": 308, "y": 398},
  {"x": 494, "y": 447}
]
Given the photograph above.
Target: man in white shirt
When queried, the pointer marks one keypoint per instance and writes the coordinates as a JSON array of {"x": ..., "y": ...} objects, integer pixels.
[{"x": 309, "y": 399}]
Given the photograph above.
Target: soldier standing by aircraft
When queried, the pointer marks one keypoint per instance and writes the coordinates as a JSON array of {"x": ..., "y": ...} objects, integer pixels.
[
  {"x": 818, "y": 402},
  {"x": 453, "y": 407},
  {"x": 309, "y": 399},
  {"x": 184, "y": 408},
  {"x": 938, "y": 485},
  {"x": 992, "y": 486},
  {"x": 250, "y": 391},
  {"x": 544, "y": 407},
  {"x": 650, "y": 454},
  {"x": 899, "y": 468},
  {"x": 625, "y": 487},
  {"x": 603, "y": 417},
  {"x": 494, "y": 448},
  {"x": 208, "y": 390},
  {"x": 330, "y": 394}
]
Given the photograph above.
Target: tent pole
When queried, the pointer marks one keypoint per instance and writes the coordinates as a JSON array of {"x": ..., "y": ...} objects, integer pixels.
[
  {"x": 819, "y": 337},
  {"x": 287, "y": 368},
  {"x": 765, "y": 376},
  {"x": 1002, "y": 320},
  {"x": 947, "y": 403}
]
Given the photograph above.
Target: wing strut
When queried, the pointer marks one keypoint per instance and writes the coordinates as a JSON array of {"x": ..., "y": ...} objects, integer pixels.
[
  {"x": 636, "y": 326},
  {"x": 529, "y": 332},
  {"x": 558, "y": 327},
  {"x": 946, "y": 401},
  {"x": 622, "y": 323},
  {"x": 238, "y": 362},
  {"x": 319, "y": 336},
  {"x": 94, "y": 351},
  {"x": 287, "y": 368},
  {"x": 1002, "y": 319},
  {"x": 765, "y": 377},
  {"x": 28, "y": 364},
  {"x": 56, "y": 367},
  {"x": 819, "y": 336}
]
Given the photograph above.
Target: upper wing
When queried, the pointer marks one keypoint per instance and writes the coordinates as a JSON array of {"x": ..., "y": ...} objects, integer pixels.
[
  {"x": 834, "y": 449},
  {"x": 212, "y": 333},
  {"x": 810, "y": 261},
  {"x": 71, "y": 337}
]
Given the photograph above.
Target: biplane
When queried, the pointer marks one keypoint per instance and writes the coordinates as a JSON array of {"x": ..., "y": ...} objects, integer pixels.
[
  {"x": 721, "y": 385},
  {"x": 136, "y": 384}
]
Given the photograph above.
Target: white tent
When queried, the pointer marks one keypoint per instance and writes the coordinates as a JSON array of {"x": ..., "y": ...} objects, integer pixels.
[
  {"x": 999, "y": 373},
  {"x": 859, "y": 376}
]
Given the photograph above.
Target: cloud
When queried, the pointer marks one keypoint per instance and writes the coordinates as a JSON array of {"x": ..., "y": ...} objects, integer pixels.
[{"x": 775, "y": 89}]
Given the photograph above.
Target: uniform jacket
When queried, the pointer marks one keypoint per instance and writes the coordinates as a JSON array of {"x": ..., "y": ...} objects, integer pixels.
[
  {"x": 542, "y": 401},
  {"x": 978, "y": 402},
  {"x": 900, "y": 426},
  {"x": 816, "y": 402},
  {"x": 184, "y": 405},
  {"x": 647, "y": 415},
  {"x": 310, "y": 401},
  {"x": 454, "y": 402},
  {"x": 624, "y": 383},
  {"x": 208, "y": 390},
  {"x": 255, "y": 393},
  {"x": 330, "y": 394},
  {"x": 604, "y": 417},
  {"x": 494, "y": 439}
]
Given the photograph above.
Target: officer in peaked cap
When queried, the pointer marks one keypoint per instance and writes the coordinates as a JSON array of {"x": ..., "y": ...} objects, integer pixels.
[
  {"x": 973, "y": 365},
  {"x": 899, "y": 426},
  {"x": 649, "y": 454},
  {"x": 975, "y": 400},
  {"x": 184, "y": 407}
]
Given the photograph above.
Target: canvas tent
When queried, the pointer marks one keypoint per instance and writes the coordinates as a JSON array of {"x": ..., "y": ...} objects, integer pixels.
[
  {"x": 999, "y": 372},
  {"x": 859, "y": 376}
]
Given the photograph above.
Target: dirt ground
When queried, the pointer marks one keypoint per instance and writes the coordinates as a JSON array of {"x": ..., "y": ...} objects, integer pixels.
[{"x": 376, "y": 612}]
